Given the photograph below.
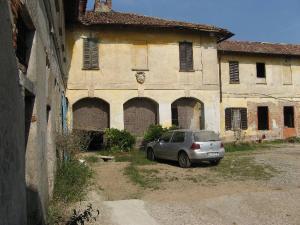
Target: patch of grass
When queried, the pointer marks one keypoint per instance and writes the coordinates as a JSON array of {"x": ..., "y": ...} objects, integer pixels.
[
  {"x": 71, "y": 181},
  {"x": 293, "y": 140},
  {"x": 146, "y": 178},
  {"x": 251, "y": 146},
  {"x": 243, "y": 168},
  {"x": 92, "y": 159}
]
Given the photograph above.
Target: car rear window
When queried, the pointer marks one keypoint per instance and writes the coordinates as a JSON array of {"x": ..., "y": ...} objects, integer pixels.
[{"x": 206, "y": 136}]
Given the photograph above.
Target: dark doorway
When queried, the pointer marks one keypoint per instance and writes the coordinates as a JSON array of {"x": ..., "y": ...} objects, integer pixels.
[
  {"x": 263, "y": 117},
  {"x": 289, "y": 119}
]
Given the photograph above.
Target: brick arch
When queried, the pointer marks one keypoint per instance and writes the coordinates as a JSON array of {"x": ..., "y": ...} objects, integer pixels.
[
  {"x": 139, "y": 114},
  {"x": 91, "y": 114},
  {"x": 188, "y": 113}
]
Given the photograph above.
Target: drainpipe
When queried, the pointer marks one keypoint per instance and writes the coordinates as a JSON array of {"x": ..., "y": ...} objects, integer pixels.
[{"x": 220, "y": 80}]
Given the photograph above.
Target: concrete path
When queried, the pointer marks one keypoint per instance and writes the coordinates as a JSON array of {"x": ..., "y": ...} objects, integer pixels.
[{"x": 129, "y": 212}]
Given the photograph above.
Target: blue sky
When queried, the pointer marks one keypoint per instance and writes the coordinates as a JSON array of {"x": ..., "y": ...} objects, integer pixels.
[{"x": 253, "y": 20}]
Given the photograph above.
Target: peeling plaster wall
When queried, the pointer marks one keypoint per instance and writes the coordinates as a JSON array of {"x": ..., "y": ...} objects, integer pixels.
[
  {"x": 251, "y": 93},
  {"x": 27, "y": 169},
  {"x": 12, "y": 138},
  {"x": 116, "y": 83}
]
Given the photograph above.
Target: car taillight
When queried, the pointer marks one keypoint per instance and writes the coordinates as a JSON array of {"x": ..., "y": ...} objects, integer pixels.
[
  {"x": 222, "y": 145},
  {"x": 195, "y": 146}
]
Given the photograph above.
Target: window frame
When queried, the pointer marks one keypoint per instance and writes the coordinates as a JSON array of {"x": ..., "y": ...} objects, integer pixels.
[
  {"x": 243, "y": 118},
  {"x": 258, "y": 75}
]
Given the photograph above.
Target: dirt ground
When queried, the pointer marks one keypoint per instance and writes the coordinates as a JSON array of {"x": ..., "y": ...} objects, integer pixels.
[{"x": 259, "y": 187}]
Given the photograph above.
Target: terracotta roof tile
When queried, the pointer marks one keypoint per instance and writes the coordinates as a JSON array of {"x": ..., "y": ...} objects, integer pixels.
[
  {"x": 129, "y": 19},
  {"x": 259, "y": 48}
]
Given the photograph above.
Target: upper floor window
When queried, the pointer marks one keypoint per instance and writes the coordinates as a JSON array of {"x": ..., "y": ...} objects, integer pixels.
[
  {"x": 287, "y": 73},
  {"x": 23, "y": 38},
  {"x": 140, "y": 56},
  {"x": 236, "y": 119},
  {"x": 90, "y": 54},
  {"x": 261, "y": 70},
  {"x": 186, "y": 56},
  {"x": 234, "y": 73}
]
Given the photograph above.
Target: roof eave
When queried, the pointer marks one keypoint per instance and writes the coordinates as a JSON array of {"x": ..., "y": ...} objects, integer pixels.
[{"x": 257, "y": 53}]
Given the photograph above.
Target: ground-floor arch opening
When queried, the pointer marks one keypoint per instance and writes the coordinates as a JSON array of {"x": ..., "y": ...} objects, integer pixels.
[
  {"x": 92, "y": 114},
  {"x": 139, "y": 114},
  {"x": 188, "y": 113}
]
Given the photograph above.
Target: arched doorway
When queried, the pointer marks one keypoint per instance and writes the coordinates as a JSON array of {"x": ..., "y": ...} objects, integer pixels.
[
  {"x": 139, "y": 114},
  {"x": 91, "y": 114},
  {"x": 188, "y": 113}
]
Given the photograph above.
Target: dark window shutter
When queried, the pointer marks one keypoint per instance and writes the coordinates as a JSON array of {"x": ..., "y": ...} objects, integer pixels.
[
  {"x": 186, "y": 56},
  {"x": 228, "y": 117},
  {"x": 182, "y": 56},
  {"x": 86, "y": 54},
  {"x": 244, "y": 119},
  {"x": 94, "y": 54},
  {"x": 90, "y": 53},
  {"x": 234, "y": 72}
]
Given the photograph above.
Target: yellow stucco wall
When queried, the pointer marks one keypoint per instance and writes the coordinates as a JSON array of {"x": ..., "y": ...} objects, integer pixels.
[
  {"x": 115, "y": 81},
  {"x": 252, "y": 92}
]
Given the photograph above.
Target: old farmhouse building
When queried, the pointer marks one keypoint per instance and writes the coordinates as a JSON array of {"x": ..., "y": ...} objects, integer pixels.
[
  {"x": 128, "y": 71},
  {"x": 260, "y": 90}
]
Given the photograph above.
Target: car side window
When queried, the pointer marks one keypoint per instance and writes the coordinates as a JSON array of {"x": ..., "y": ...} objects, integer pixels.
[
  {"x": 166, "y": 137},
  {"x": 178, "y": 137}
]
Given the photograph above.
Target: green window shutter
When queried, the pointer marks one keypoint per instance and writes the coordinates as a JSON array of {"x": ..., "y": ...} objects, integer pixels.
[
  {"x": 234, "y": 72},
  {"x": 228, "y": 119},
  {"x": 244, "y": 119}
]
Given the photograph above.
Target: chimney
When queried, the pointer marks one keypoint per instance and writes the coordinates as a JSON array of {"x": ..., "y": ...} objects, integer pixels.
[{"x": 103, "y": 6}]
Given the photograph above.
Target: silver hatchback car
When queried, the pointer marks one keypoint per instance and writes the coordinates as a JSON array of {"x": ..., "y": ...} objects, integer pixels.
[{"x": 187, "y": 147}]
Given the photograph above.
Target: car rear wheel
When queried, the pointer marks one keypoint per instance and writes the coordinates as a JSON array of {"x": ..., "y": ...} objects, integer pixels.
[
  {"x": 215, "y": 162},
  {"x": 184, "y": 161},
  {"x": 150, "y": 155}
]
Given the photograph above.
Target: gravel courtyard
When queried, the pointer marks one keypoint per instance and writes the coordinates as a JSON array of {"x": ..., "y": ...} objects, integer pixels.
[{"x": 255, "y": 187}]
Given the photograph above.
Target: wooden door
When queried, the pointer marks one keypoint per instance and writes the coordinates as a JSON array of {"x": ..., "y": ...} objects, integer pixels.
[
  {"x": 139, "y": 114},
  {"x": 91, "y": 114}
]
